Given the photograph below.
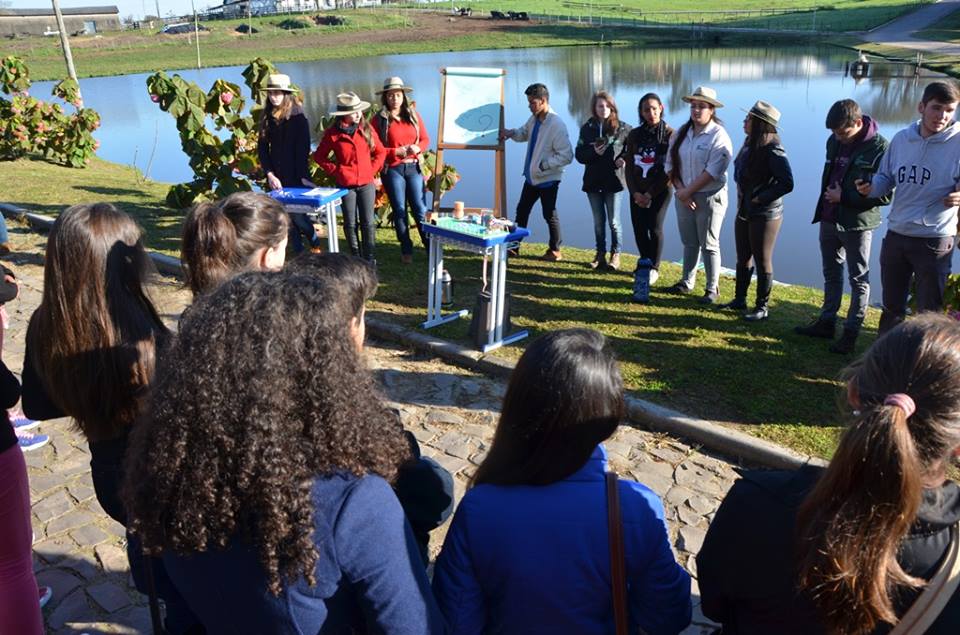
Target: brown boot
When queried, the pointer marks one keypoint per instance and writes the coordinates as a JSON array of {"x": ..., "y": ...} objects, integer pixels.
[{"x": 552, "y": 256}]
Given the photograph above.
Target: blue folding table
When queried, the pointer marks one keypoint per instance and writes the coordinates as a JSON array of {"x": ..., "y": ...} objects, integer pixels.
[
  {"x": 323, "y": 200},
  {"x": 468, "y": 236}
]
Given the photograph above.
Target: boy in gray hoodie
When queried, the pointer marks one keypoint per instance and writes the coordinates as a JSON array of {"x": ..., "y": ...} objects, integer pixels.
[{"x": 923, "y": 164}]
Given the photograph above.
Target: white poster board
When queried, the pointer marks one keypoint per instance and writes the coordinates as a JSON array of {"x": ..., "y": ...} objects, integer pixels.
[{"x": 473, "y": 108}]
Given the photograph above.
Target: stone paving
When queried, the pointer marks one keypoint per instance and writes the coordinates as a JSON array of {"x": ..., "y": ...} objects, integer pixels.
[{"x": 79, "y": 550}]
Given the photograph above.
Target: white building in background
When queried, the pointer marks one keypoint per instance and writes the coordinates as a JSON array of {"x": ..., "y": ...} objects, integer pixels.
[{"x": 231, "y": 8}]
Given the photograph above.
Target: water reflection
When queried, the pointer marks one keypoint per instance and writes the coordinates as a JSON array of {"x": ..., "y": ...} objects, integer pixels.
[{"x": 802, "y": 82}]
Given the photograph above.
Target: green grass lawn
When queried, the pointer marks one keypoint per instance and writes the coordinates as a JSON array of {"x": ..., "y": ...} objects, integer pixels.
[
  {"x": 947, "y": 30},
  {"x": 760, "y": 377},
  {"x": 841, "y": 15}
]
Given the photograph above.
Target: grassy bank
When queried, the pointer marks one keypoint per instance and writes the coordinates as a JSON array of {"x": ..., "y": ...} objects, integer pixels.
[
  {"x": 394, "y": 30},
  {"x": 759, "y": 377},
  {"x": 840, "y": 15}
]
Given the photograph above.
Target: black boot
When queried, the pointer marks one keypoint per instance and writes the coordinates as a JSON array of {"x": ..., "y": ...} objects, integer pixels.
[
  {"x": 761, "y": 312},
  {"x": 739, "y": 301},
  {"x": 846, "y": 343}
]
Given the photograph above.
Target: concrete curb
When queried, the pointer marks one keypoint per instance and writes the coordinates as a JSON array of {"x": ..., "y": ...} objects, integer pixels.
[{"x": 710, "y": 435}]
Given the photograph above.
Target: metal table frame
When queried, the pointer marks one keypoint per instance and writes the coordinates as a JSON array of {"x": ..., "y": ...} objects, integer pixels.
[
  {"x": 495, "y": 247},
  {"x": 326, "y": 205}
]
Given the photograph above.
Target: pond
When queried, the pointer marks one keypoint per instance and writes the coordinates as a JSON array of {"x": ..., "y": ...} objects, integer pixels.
[{"x": 802, "y": 82}]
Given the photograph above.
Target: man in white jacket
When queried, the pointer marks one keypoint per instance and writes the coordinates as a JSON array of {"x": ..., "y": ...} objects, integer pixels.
[
  {"x": 548, "y": 152},
  {"x": 923, "y": 164}
]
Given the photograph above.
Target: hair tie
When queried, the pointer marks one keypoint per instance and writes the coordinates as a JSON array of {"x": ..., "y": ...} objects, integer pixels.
[{"x": 903, "y": 401}]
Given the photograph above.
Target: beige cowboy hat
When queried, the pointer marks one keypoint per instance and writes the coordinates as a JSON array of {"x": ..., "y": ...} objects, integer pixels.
[
  {"x": 705, "y": 94},
  {"x": 279, "y": 81},
  {"x": 764, "y": 111},
  {"x": 394, "y": 83},
  {"x": 348, "y": 103}
]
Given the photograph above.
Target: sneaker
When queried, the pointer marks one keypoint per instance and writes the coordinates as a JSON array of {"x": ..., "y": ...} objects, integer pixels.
[
  {"x": 514, "y": 252},
  {"x": 552, "y": 256},
  {"x": 20, "y": 422},
  {"x": 846, "y": 344},
  {"x": 680, "y": 288},
  {"x": 614, "y": 263},
  {"x": 29, "y": 442},
  {"x": 818, "y": 328},
  {"x": 759, "y": 313},
  {"x": 599, "y": 261},
  {"x": 709, "y": 297},
  {"x": 654, "y": 276},
  {"x": 45, "y": 594}
]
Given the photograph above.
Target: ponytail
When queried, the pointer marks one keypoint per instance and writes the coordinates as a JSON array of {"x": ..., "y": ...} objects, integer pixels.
[
  {"x": 850, "y": 526},
  {"x": 209, "y": 242},
  {"x": 219, "y": 239}
]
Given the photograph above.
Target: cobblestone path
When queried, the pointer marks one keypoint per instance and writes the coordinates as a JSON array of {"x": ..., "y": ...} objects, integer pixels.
[{"x": 79, "y": 550}]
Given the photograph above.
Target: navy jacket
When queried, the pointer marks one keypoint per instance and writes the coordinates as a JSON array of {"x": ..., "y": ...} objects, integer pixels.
[
  {"x": 526, "y": 559},
  {"x": 286, "y": 149},
  {"x": 767, "y": 184},
  {"x": 369, "y": 574}
]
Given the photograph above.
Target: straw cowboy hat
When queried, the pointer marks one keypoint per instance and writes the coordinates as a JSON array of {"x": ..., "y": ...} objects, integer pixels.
[
  {"x": 765, "y": 111},
  {"x": 279, "y": 81},
  {"x": 394, "y": 83},
  {"x": 348, "y": 103},
  {"x": 705, "y": 94}
]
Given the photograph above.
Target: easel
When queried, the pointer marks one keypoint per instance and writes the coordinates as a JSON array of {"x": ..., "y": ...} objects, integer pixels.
[{"x": 499, "y": 169}]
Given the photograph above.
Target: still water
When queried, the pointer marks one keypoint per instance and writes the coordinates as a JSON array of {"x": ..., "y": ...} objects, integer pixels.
[{"x": 801, "y": 82}]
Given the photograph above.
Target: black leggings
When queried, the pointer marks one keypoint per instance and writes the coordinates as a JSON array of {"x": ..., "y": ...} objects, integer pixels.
[
  {"x": 648, "y": 227},
  {"x": 755, "y": 239}
]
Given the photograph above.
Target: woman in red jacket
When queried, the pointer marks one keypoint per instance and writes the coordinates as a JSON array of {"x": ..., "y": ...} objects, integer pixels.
[
  {"x": 401, "y": 130},
  {"x": 357, "y": 156}
]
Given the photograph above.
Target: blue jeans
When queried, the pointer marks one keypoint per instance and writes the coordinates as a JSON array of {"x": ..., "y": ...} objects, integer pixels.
[
  {"x": 606, "y": 210},
  {"x": 299, "y": 223},
  {"x": 404, "y": 184},
  {"x": 4, "y": 237}
]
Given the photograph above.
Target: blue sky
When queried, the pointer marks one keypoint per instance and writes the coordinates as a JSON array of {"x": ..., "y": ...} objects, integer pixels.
[{"x": 136, "y": 8}]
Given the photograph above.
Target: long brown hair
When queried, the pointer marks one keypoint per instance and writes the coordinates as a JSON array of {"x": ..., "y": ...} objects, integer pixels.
[
  {"x": 851, "y": 524},
  {"x": 762, "y": 133},
  {"x": 220, "y": 239},
  {"x": 612, "y": 123},
  {"x": 290, "y": 106},
  {"x": 564, "y": 397},
  {"x": 261, "y": 393},
  {"x": 678, "y": 138},
  {"x": 93, "y": 338},
  {"x": 408, "y": 110}
]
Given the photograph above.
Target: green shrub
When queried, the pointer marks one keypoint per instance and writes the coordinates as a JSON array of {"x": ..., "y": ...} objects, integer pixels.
[{"x": 292, "y": 24}]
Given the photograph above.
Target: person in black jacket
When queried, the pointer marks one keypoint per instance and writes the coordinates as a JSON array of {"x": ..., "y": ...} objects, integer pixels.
[
  {"x": 599, "y": 149},
  {"x": 283, "y": 147},
  {"x": 763, "y": 177},
  {"x": 849, "y": 548},
  {"x": 90, "y": 353},
  {"x": 647, "y": 182}
]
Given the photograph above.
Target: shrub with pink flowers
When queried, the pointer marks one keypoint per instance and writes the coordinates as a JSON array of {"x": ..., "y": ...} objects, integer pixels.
[{"x": 32, "y": 127}]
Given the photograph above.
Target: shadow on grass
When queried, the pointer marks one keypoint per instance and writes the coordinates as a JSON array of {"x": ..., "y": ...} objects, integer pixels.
[
  {"x": 674, "y": 351},
  {"x": 108, "y": 191}
]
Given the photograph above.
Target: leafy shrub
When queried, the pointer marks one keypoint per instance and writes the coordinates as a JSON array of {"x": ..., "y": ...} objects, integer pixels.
[
  {"x": 292, "y": 24},
  {"x": 29, "y": 126}
]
